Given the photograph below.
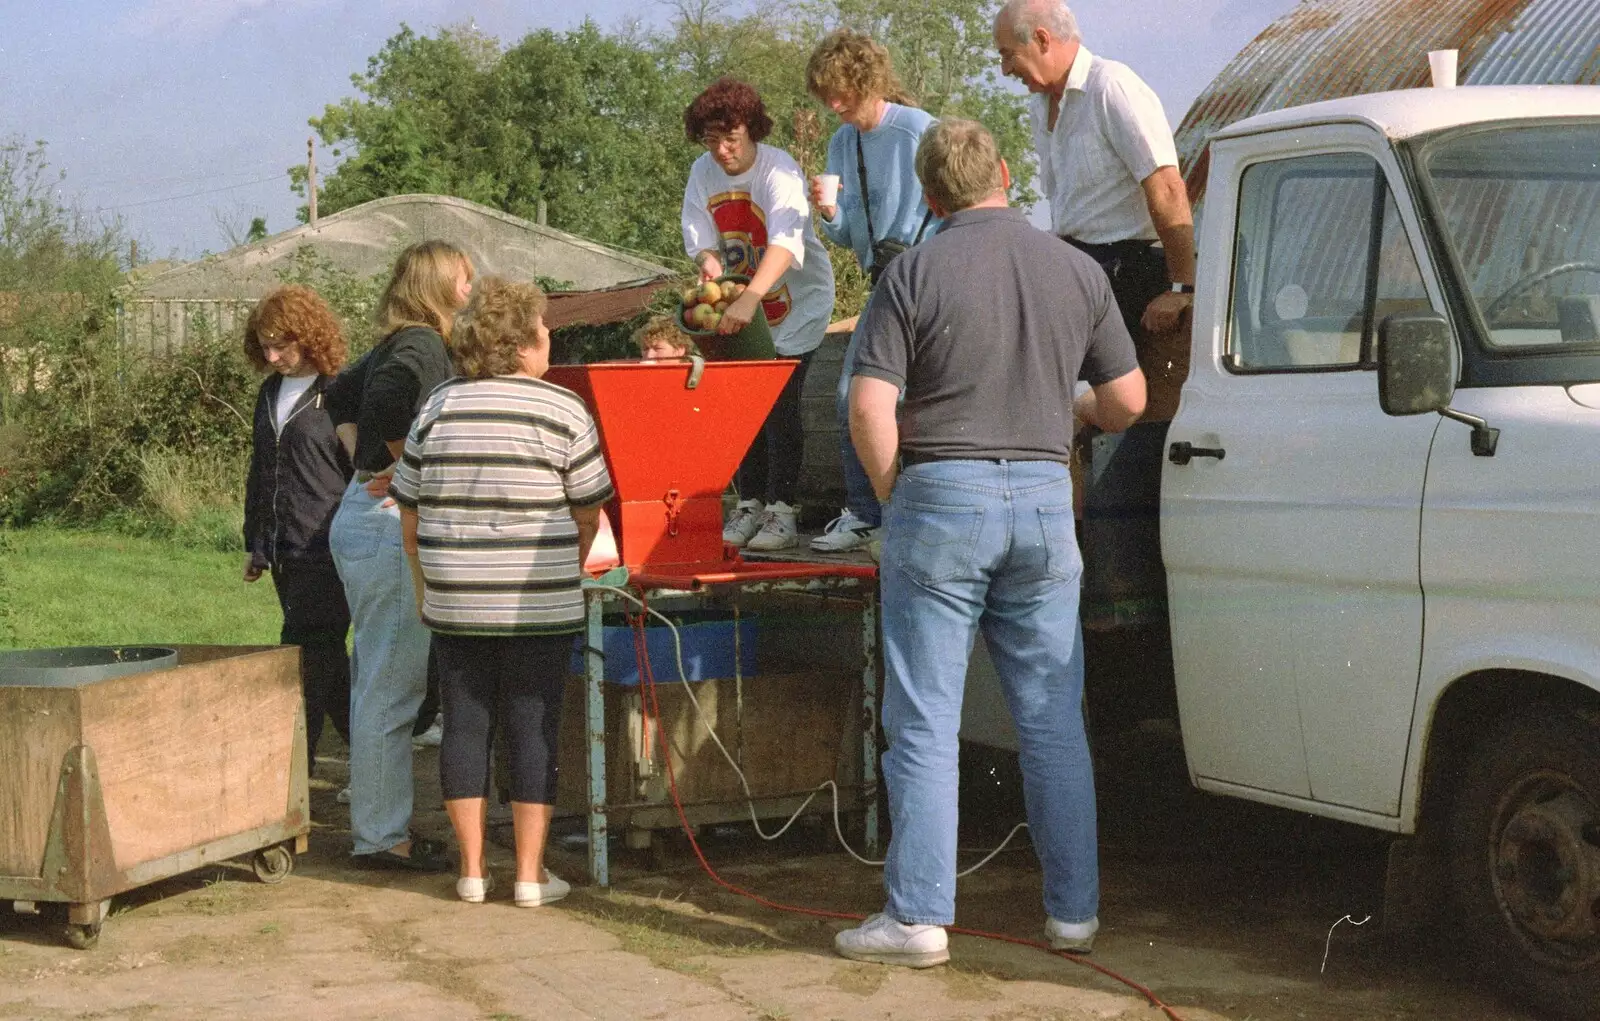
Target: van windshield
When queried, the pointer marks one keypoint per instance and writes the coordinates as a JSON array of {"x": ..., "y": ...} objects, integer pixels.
[{"x": 1521, "y": 208}]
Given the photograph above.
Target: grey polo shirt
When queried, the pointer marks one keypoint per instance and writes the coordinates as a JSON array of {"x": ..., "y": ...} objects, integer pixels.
[{"x": 986, "y": 326}]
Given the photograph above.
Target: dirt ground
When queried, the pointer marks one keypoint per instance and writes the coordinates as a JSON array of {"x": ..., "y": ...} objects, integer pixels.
[{"x": 1221, "y": 908}]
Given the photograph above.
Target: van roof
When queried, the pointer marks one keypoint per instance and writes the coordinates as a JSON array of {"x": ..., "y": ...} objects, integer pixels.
[{"x": 1409, "y": 112}]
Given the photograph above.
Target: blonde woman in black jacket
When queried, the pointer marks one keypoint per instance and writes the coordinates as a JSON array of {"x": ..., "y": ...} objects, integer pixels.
[{"x": 298, "y": 470}]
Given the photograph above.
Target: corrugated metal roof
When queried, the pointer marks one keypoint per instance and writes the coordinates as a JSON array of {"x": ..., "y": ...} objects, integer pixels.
[
  {"x": 1325, "y": 49},
  {"x": 600, "y": 308}
]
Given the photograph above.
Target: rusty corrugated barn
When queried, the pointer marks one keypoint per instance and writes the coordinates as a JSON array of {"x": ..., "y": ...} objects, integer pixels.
[{"x": 1325, "y": 49}]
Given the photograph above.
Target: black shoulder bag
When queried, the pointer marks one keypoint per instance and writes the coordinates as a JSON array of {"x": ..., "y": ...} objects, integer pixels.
[{"x": 883, "y": 252}]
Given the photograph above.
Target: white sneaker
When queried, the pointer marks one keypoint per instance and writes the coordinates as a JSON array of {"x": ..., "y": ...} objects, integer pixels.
[
  {"x": 431, "y": 737},
  {"x": 343, "y": 797},
  {"x": 531, "y": 895},
  {"x": 473, "y": 889},
  {"x": 778, "y": 530},
  {"x": 882, "y": 940},
  {"x": 1073, "y": 937},
  {"x": 743, "y": 523},
  {"x": 844, "y": 534}
]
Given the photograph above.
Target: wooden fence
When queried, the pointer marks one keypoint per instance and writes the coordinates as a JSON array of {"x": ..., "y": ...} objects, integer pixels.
[{"x": 160, "y": 326}]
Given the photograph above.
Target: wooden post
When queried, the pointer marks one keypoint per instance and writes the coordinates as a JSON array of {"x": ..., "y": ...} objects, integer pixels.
[
  {"x": 311, "y": 180},
  {"x": 543, "y": 216},
  {"x": 133, "y": 254}
]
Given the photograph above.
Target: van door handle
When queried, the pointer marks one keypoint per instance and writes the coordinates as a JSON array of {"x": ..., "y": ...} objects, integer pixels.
[{"x": 1184, "y": 452}]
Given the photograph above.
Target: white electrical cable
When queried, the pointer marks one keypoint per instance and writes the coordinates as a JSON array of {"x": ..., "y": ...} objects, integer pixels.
[{"x": 750, "y": 802}]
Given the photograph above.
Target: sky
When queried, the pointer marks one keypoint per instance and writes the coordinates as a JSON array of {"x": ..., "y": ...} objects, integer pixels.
[{"x": 181, "y": 117}]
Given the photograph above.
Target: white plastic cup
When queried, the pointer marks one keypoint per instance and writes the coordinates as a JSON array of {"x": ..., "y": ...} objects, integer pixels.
[
  {"x": 828, "y": 185},
  {"x": 1442, "y": 64}
]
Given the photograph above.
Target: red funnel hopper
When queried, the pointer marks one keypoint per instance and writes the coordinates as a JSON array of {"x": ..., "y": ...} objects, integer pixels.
[{"x": 672, "y": 443}]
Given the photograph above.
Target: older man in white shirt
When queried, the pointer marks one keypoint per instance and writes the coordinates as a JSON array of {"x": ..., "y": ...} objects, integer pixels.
[{"x": 1107, "y": 162}]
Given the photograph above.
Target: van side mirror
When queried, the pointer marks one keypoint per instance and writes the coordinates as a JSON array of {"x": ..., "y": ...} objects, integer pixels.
[
  {"x": 1416, "y": 373},
  {"x": 1416, "y": 370}
]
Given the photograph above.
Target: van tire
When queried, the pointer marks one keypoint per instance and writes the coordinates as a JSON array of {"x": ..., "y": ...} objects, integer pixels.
[{"x": 1525, "y": 858}]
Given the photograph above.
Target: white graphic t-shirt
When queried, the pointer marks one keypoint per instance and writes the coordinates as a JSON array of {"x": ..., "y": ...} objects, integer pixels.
[{"x": 741, "y": 216}]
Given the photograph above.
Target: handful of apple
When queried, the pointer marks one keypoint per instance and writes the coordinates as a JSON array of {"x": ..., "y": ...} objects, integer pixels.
[{"x": 704, "y": 304}]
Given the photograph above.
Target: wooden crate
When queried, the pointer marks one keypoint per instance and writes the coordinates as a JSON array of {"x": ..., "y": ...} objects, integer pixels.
[
  {"x": 125, "y": 781},
  {"x": 789, "y": 732}
]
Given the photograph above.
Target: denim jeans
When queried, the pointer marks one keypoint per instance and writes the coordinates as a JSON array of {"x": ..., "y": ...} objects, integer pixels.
[
  {"x": 859, "y": 499},
  {"x": 389, "y": 670},
  {"x": 990, "y": 545}
]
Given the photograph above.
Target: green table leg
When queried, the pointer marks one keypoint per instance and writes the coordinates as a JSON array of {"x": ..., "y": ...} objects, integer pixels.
[{"x": 594, "y": 718}]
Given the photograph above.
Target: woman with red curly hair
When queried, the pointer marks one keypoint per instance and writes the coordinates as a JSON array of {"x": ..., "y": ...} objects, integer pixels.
[
  {"x": 745, "y": 212},
  {"x": 298, "y": 471}
]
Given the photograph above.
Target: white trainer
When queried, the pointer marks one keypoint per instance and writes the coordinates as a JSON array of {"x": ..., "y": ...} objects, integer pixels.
[
  {"x": 844, "y": 534},
  {"x": 531, "y": 895},
  {"x": 744, "y": 522},
  {"x": 778, "y": 529},
  {"x": 882, "y": 940},
  {"x": 1073, "y": 937},
  {"x": 343, "y": 797},
  {"x": 473, "y": 889},
  {"x": 433, "y": 736}
]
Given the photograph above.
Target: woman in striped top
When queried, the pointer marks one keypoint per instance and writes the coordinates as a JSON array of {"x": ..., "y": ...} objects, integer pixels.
[{"x": 500, "y": 488}]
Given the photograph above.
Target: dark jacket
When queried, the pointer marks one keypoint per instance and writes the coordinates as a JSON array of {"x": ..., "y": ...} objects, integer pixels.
[
  {"x": 295, "y": 480},
  {"x": 385, "y": 388}
]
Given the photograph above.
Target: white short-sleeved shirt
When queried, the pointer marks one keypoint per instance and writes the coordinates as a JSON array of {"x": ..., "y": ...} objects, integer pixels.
[
  {"x": 1110, "y": 135},
  {"x": 741, "y": 216}
]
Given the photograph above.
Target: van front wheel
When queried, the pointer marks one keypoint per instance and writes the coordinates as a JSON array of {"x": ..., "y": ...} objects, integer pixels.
[{"x": 1525, "y": 858}]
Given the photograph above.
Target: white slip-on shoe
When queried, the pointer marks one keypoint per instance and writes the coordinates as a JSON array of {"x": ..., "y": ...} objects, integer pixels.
[
  {"x": 343, "y": 797},
  {"x": 882, "y": 940},
  {"x": 433, "y": 736},
  {"x": 844, "y": 534},
  {"x": 743, "y": 523},
  {"x": 1073, "y": 937},
  {"x": 778, "y": 530},
  {"x": 473, "y": 889},
  {"x": 531, "y": 895}
]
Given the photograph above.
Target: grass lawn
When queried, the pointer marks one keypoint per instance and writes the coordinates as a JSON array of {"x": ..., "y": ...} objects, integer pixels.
[{"x": 63, "y": 587}]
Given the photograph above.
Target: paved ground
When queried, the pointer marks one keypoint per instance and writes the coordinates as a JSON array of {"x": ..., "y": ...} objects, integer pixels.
[{"x": 1222, "y": 908}]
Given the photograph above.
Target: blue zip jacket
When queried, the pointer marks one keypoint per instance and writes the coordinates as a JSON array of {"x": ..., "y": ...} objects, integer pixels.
[{"x": 890, "y": 150}]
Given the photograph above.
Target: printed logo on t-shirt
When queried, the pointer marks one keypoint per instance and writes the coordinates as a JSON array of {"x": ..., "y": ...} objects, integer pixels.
[{"x": 743, "y": 227}]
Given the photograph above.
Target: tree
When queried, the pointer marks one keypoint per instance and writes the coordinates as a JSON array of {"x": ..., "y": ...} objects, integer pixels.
[
  {"x": 586, "y": 122},
  {"x": 47, "y": 246},
  {"x": 591, "y": 122}
]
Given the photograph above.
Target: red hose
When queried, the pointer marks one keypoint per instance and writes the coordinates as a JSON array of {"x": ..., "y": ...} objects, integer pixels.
[{"x": 648, "y": 682}]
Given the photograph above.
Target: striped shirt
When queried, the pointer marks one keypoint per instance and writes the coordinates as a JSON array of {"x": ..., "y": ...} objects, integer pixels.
[{"x": 493, "y": 467}]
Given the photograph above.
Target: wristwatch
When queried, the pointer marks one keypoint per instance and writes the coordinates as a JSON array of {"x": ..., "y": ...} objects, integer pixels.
[{"x": 1182, "y": 288}]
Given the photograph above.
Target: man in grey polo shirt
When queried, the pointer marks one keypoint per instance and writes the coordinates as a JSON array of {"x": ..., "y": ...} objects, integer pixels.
[{"x": 986, "y": 327}]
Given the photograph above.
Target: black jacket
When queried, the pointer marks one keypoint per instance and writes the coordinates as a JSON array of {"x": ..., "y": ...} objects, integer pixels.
[
  {"x": 385, "y": 388},
  {"x": 295, "y": 480}
]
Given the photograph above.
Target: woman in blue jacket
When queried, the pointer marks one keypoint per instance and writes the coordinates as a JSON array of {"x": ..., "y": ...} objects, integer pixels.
[{"x": 879, "y": 213}]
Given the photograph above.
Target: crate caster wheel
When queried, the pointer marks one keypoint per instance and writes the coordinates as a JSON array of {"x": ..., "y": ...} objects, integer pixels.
[
  {"x": 273, "y": 864},
  {"x": 83, "y": 937},
  {"x": 83, "y": 922}
]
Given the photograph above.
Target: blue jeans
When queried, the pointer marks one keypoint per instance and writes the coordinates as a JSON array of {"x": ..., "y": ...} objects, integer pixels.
[
  {"x": 859, "y": 499},
  {"x": 990, "y": 545},
  {"x": 388, "y": 672}
]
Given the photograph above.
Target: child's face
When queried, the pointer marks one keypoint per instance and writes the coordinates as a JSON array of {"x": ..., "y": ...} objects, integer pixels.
[{"x": 659, "y": 349}]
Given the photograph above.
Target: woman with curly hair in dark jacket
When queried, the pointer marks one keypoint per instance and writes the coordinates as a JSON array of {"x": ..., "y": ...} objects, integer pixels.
[{"x": 298, "y": 471}]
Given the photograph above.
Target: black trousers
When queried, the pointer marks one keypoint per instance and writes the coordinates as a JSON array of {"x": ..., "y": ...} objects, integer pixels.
[
  {"x": 511, "y": 682},
  {"x": 1137, "y": 271},
  {"x": 316, "y": 618},
  {"x": 770, "y": 470}
]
